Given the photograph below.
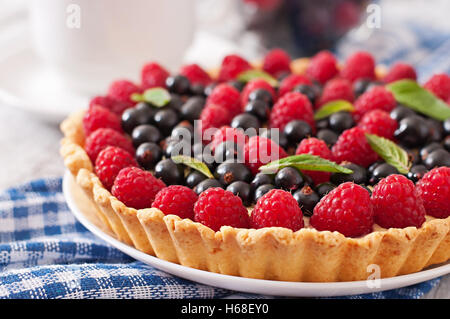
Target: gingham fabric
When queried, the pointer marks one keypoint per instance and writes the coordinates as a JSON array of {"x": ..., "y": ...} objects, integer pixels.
[{"x": 46, "y": 253}]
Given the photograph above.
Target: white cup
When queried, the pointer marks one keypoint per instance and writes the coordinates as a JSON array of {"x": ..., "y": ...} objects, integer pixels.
[{"x": 92, "y": 42}]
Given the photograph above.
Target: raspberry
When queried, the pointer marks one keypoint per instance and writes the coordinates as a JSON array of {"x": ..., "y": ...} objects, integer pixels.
[
  {"x": 231, "y": 66},
  {"x": 290, "y": 82},
  {"x": 227, "y": 97},
  {"x": 316, "y": 147},
  {"x": 352, "y": 146},
  {"x": 195, "y": 74},
  {"x": 376, "y": 98},
  {"x": 110, "y": 161},
  {"x": 292, "y": 106},
  {"x": 259, "y": 151},
  {"x": 434, "y": 189},
  {"x": 211, "y": 118},
  {"x": 217, "y": 207},
  {"x": 122, "y": 90},
  {"x": 396, "y": 203},
  {"x": 380, "y": 123},
  {"x": 276, "y": 62},
  {"x": 254, "y": 85},
  {"x": 115, "y": 106},
  {"x": 439, "y": 85},
  {"x": 177, "y": 200},
  {"x": 227, "y": 133},
  {"x": 346, "y": 209},
  {"x": 98, "y": 117},
  {"x": 153, "y": 75},
  {"x": 277, "y": 208},
  {"x": 104, "y": 137},
  {"x": 322, "y": 67},
  {"x": 400, "y": 71},
  {"x": 136, "y": 188},
  {"x": 360, "y": 65},
  {"x": 336, "y": 89}
]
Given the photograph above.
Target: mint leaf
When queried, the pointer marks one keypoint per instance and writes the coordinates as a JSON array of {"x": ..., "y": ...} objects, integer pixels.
[
  {"x": 304, "y": 162},
  {"x": 155, "y": 96},
  {"x": 333, "y": 107},
  {"x": 412, "y": 95},
  {"x": 390, "y": 152},
  {"x": 193, "y": 163},
  {"x": 249, "y": 75}
]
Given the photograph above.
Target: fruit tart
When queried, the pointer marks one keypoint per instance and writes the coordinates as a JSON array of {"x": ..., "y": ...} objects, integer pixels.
[{"x": 308, "y": 170}]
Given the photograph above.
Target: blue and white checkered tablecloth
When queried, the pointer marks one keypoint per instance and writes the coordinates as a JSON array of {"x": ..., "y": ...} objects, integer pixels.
[{"x": 46, "y": 253}]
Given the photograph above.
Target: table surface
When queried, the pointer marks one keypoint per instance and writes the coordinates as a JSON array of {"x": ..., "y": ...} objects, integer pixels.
[{"x": 30, "y": 150}]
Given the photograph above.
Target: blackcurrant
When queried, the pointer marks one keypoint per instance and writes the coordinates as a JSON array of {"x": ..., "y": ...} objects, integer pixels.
[
  {"x": 340, "y": 121},
  {"x": 262, "y": 190},
  {"x": 381, "y": 171},
  {"x": 289, "y": 178},
  {"x": 148, "y": 154},
  {"x": 243, "y": 190},
  {"x": 261, "y": 179},
  {"x": 169, "y": 172},
  {"x": 436, "y": 158},
  {"x": 416, "y": 172},
  {"x": 194, "y": 178},
  {"x": 307, "y": 199},
  {"x": 145, "y": 133},
  {"x": 230, "y": 172},
  {"x": 178, "y": 84},
  {"x": 296, "y": 131},
  {"x": 359, "y": 175},
  {"x": 258, "y": 108},
  {"x": 165, "y": 120},
  {"x": 205, "y": 184},
  {"x": 412, "y": 131},
  {"x": 192, "y": 108}
]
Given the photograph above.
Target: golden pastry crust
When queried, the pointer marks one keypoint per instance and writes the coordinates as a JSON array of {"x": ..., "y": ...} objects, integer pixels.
[{"x": 271, "y": 253}]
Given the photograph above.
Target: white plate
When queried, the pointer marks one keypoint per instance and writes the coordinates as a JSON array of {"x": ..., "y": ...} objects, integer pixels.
[
  {"x": 258, "y": 286},
  {"x": 26, "y": 82}
]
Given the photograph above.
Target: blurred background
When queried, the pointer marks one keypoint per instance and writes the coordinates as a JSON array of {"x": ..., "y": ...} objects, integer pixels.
[{"x": 56, "y": 54}]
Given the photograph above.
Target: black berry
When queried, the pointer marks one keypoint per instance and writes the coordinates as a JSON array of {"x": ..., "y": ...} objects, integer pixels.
[
  {"x": 412, "y": 131},
  {"x": 145, "y": 133},
  {"x": 340, "y": 121},
  {"x": 169, "y": 172},
  {"x": 328, "y": 136},
  {"x": 436, "y": 158},
  {"x": 135, "y": 116},
  {"x": 416, "y": 172},
  {"x": 178, "y": 84},
  {"x": 359, "y": 175},
  {"x": 194, "y": 178},
  {"x": 261, "y": 94},
  {"x": 226, "y": 151},
  {"x": 245, "y": 121},
  {"x": 381, "y": 171},
  {"x": 307, "y": 199},
  {"x": 261, "y": 179},
  {"x": 400, "y": 112},
  {"x": 289, "y": 178},
  {"x": 148, "y": 154},
  {"x": 427, "y": 149},
  {"x": 262, "y": 190},
  {"x": 230, "y": 172},
  {"x": 309, "y": 91},
  {"x": 192, "y": 108},
  {"x": 243, "y": 190},
  {"x": 238, "y": 85},
  {"x": 165, "y": 120},
  {"x": 205, "y": 184},
  {"x": 258, "y": 108},
  {"x": 324, "y": 188},
  {"x": 296, "y": 131}
]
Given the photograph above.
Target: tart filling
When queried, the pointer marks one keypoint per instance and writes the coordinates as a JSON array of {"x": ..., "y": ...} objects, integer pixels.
[{"x": 307, "y": 177}]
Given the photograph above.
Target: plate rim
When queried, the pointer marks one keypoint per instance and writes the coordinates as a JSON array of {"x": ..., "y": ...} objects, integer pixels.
[{"x": 251, "y": 285}]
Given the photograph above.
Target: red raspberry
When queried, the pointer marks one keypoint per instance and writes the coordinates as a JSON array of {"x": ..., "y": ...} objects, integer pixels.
[
  {"x": 136, "y": 188},
  {"x": 195, "y": 74},
  {"x": 254, "y": 85},
  {"x": 177, "y": 200},
  {"x": 378, "y": 122},
  {"x": 352, "y": 146},
  {"x": 122, "y": 90},
  {"x": 259, "y": 151},
  {"x": 396, "y": 203},
  {"x": 231, "y": 66},
  {"x": 376, "y": 98},
  {"x": 98, "y": 117},
  {"x": 213, "y": 117},
  {"x": 276, "y": 62},
  {"x": 434, "y": 189},
  {"x": 217, "y": 207},
  {"x": 439, "y": 85},
  {"x": 277, "y": 208},
  {"x": 227, "y": 133},
  {"x": 227, "y": 97},
  {"x": 292, "y": 106},
  {"x": 115, "y": 106},
  {"x": 360, "y": 65},
  {"x": 316, "y": 147},
  {"x": 290, "y": 82},
  {"x": 104, "y": 137},
  {"x": 346, "y": 209},
  {"x": 322, "y": 67},
  {"x": 109, "y": 162},
  {"x": 336, "y": 89},
  {"x": 153, "y": 75},
  {"x": 400, "y": 71}
]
